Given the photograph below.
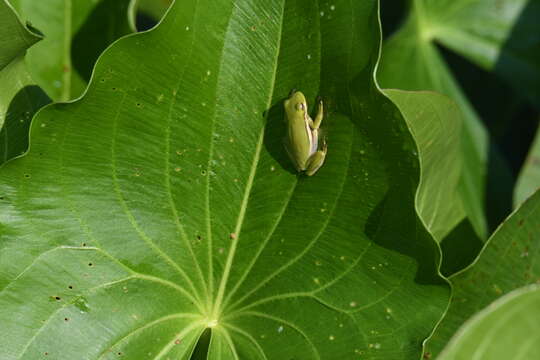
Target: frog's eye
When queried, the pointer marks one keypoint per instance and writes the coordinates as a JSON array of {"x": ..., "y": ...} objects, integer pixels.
[{"x": 300, "y": 106}]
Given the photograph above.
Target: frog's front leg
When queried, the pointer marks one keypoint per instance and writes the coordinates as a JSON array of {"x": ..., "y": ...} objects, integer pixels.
[
  {"x": 315, "y": 161},
  {"x": 315, "y": 124}
]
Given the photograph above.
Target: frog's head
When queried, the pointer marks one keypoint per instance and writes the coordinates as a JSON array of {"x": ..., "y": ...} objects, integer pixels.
[{"x": 295, "y": 104}]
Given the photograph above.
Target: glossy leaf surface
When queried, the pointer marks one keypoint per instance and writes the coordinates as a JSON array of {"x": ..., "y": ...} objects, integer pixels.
[{"x": 163, "y": 203}]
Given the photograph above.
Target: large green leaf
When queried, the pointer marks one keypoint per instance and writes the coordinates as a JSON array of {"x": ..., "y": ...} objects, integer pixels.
[
  {"x": 507, "y": 262},
  {"x": 529, "y": 176},
  {"x": 506, "y": 329},
  {"x": 76, "y": 32},
  {"x": 162, "y": 203},
  {"x": 19, "y": 98},
  {"x": 435, "y": 122}
]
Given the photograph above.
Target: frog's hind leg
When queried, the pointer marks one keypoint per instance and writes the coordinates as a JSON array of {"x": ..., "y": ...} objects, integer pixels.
[{"x": 316, "y": 160}]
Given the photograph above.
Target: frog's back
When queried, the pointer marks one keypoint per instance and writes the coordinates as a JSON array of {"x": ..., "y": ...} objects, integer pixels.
[{"x": 300, "y": 143}]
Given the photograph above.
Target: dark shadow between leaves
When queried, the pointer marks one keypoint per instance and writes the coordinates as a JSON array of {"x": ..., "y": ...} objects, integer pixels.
[
  {"x": 500, "y": 183},
  {"x": 91, "y": 39},
  {"x": 460, "y": 247},
  {"x": 14, "y": 133},
  {"x": 201, "y": 349},
  {"x": 519, "y": 58}
]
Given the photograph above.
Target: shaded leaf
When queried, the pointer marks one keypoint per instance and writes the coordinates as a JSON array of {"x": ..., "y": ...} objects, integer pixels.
[
  {"x": 506, "y": 329},
  {"x": 507, "y": 262},
  {"x": 162, "y": 203},
  {"x": 435, "y": 122}
]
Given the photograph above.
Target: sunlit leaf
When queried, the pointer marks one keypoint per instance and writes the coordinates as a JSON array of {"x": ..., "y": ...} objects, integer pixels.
[
  {"x": 505, "y": 329},
  {"x": 507, "y": 262},
  {"x": 163, "y": 203}
]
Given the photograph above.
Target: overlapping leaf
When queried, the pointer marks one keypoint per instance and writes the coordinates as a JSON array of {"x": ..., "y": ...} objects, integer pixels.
[
  {"x": 14, "y": 38},
  {"x": 411, "y": 61},
  {"x": 162, "y": 203},
  {"x": 435, "y": 122},
  {"x": 507, "y": 262},
  {"x": 76, "y": 32},
  {"x": 506, "y": 329},
  {"x": 19, "y": 99}
]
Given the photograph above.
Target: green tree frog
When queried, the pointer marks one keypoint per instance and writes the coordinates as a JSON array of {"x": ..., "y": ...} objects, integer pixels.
[{"x": 302, "y": 141}]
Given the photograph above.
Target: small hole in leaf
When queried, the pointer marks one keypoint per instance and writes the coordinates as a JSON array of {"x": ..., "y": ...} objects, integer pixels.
[
  {"x": 46, "y": 353},
  {"x": 203, "y": 172},
  {"x": 66, "y": 319},
  {"x": 27, "y": 176},
  {"x": 138, "y": 104},
  {"x": 57, "y": 298},
  {"x": 83, "y": 244},
  {"x": 119, "y": 354},
  {"x": 90, "y": 264},
  {"x": 198, "y": 237},
  {"x": 70, "y": 287},
  {"x": 113, "y": 89}
]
